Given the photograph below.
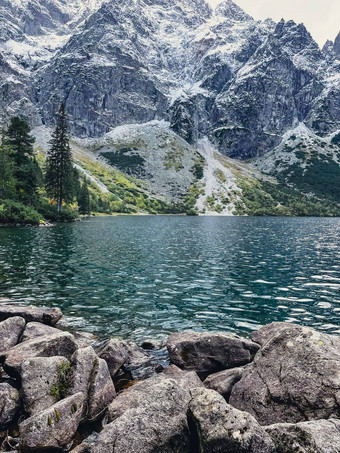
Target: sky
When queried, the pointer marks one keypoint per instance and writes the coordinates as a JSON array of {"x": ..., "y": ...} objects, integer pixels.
[{"x": 321, "y": 17}]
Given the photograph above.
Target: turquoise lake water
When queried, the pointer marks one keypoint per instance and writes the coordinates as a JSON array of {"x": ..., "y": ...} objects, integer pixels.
[{"x": 144, "y": 276}]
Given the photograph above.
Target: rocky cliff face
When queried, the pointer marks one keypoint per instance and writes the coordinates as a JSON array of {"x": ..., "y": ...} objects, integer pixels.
[{"x": 217, "y": 74}]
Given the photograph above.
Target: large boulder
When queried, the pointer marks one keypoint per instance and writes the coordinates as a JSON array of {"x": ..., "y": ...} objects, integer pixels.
[
  {"x": 219, "y": 428},
  {"x": 60, "y": 344},
  {"x": 53, "y": 428},
  {"x": 148, "y": 417},
  {"x": 10, "y": 332},
  {"x": 37, "y": 329},
  {"x": 9, "y": 404},
  {"x": 30, "y": 313},
  {"x": 44, "y": 382},
  {"x": 224, "y": 381},
  {"x": 101, "y": 390},
  {"x": 295, "y": 377},
  {"x": 209, "y": 352},
  {"x": 319, "y": 436}
]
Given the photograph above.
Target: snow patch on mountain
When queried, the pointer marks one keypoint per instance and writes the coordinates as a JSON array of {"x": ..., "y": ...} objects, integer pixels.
[{"x": 298, "y": 146}]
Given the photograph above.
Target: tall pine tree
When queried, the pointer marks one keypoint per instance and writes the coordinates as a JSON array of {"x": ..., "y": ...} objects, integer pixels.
[
  {"x": 26, "y": 170},
  {"x": 20, "y": 141},
  {"x": 59, "y": 176},
  {"x": 7, "y": 180},
  {"x": 84, "y": 199}
]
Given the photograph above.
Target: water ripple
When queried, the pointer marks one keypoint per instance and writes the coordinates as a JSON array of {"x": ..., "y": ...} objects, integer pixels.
[{"x": 149, "y": 276}]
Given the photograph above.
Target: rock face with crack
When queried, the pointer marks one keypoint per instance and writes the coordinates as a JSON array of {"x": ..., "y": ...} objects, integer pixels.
[{"x": 294, "y": 377}]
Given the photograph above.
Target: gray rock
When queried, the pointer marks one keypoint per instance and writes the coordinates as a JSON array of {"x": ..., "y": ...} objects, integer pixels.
[
  {"x": 101, "y": 391},
  {"x": 320, "y": 436},
  {"x": 30, "y": 313},
  {"x": 53, "y": 428},
  {"x": 221, "y": 428},
  {"x": 90, "y": 375},
  {"x": 187, "y": 380},
  {"x": 10, "y": 332},
  {"x": 115, "y": 353},
  {"x": 9, "y": 404},
  {"x": 37, "y": 329},
  {"x": 148, "y": 417},
  {"x": 84, "y": 339},
  {"x": 267, "y": 332},
  {"x": 209, "y": 352},
  {"x": 44, "y": 381},
  {"x": 139, "y": 363},
  {"x": 135, "y": 360},
  {"x": 61, "y": 344},
  {"x": 82, "y": 363},
  {"x": 224, "y": 381},
  {"x": 289, "y": 380}
]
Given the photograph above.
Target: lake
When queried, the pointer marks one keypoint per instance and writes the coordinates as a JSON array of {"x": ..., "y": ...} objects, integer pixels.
[{"x": 143, "y": 276}]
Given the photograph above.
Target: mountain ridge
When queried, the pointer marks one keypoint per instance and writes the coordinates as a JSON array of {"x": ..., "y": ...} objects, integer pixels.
[{"x": 219, "y": 80}]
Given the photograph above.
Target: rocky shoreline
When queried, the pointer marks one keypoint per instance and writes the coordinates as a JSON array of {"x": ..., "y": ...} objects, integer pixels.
[{"x": 278, "y": 392}]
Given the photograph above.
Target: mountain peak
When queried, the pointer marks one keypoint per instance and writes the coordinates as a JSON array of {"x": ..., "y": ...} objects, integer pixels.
[
  {"x": 231, "y": 10},
  {"x": 337, "y": 45}
]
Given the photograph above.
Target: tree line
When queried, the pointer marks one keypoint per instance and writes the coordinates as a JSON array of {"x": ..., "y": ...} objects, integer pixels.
[{"x": 25, "y": 186}]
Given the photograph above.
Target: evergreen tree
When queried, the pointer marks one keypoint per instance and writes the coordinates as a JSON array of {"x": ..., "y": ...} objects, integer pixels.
[
  {"x": 26, "y": 170},
  {"x": 59, "y": 176},
  {"x": 20, "y": 141},
  {"x": 7, "y": 179},
  {"x": 84, "y": 199}
]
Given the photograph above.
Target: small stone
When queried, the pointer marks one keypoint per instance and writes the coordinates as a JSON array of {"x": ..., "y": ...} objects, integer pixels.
[{"x": 224, "y": 381}]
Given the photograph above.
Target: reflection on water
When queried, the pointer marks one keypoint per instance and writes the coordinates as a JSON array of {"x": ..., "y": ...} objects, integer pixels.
[{"x": 146, "y": 276}]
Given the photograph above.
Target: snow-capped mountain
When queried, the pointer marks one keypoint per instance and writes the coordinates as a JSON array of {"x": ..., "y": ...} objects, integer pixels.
[{"x": 218, "y": 74}]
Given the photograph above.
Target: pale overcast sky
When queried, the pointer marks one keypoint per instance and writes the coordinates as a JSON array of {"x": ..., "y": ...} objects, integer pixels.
[{"x": 321, "y": 17}]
